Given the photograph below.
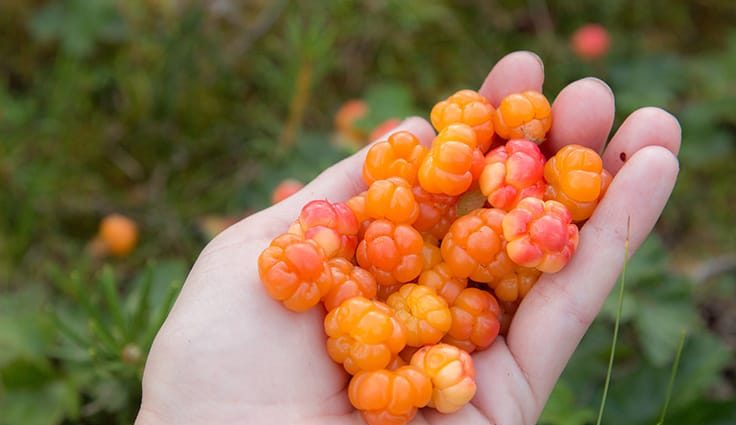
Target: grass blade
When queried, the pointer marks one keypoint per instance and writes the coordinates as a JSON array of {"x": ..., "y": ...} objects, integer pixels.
[
  {"x": 142, "y": 309},
  {"x": 112, "y": 299},
  {"x": 673, "y": 374},
  {"x": 619, "y": 310}
]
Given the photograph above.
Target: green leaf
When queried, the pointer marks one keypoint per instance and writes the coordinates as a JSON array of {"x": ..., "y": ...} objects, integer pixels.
[
  {"x": 659, "y": 326},
  {"x": 47, "y": 405}
]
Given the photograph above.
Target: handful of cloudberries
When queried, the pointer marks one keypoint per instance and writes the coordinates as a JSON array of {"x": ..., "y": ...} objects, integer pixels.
[{"x": 412, "y": 279}]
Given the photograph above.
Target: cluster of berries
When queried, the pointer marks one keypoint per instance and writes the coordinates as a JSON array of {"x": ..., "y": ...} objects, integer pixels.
[{"x": 412, "y": 279}]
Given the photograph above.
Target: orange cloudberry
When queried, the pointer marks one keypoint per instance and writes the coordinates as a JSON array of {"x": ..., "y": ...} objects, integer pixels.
[
  {"x": 475, "y": 322},
  {"x": 333, "y": 226},
  {"x": 540, "y": 234},
  {"x": 294, "y": 271},
  {"x": 577, "y": 180},
  {"x": 443, "y": 281},
  {"x": 386, "y": 397},
  {"x": 348, "y": 281},
  {"x": 466, "y": 107},
  {"x": 526, "y": 115},
  {"x": 119, "y": 234},
  {"x": 391, "y": 252},
  {"x": 452, "y": 373},
  {"x": 515, "y": 284},
  {"x": 363, "y": 334},
  {"x": 393, "y": 200},
  {"x": 452, "y": 161},
  {"x": 473, "y": 243},
  {"x": 357, "y": 206},
  {"x": 436, "y": 212},
  {"x": 431, "y": 254},
  {"x": 513, "y": 172},
  {"x": 399, "y": 156},
  {"x": 425, "y": 314}
]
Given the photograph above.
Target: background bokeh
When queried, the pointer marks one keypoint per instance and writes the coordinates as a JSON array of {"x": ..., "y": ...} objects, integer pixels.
[{"x": 184, "y": 115}]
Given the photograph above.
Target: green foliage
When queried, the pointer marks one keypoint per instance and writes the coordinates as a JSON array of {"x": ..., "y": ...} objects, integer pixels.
[{"x": 169, "y": 110}]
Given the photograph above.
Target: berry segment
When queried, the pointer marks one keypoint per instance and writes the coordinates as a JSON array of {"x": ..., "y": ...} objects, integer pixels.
[
  {"x": 466, "y": 107},
  {"x": 526, "y": 115},
  {"x": 293, "y": 271},
  {"x": 393, "y": 200},
  {"x": 513, "y": 172},
  {"x": 348, "y": 281},
  {"x": 515, "y": 284},
  {"x": 540, "y": 234},
  {"x": 452, "y": 373},
  {"x": 391, "y": 252},
  {"x": 363, "y": 335},
  {"x": 333, "y": 226},
  {"x": 475, "y": 323},
  {"x": 577, "y": 180},
  {"x": 399, "y": 156},
  {"x": 387, "y": 397},
  {"x": 449, "y": 166},
  {"x": 423, "y": 313}
]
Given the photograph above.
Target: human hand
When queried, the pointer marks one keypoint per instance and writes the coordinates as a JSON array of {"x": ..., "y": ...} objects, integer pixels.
[{"x": 229, "y": 354}]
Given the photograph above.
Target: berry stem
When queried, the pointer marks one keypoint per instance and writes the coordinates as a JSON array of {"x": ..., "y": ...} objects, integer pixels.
[
  {"x": 673, "y": 374},
  {"x": 619, "y": 310}
]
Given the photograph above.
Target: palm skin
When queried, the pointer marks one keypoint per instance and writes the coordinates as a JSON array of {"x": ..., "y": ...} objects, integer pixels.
[{"x": 228, "y": 354}]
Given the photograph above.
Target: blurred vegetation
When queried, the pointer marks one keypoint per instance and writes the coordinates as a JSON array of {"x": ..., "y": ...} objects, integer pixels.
[{"x": 169, "y": 111}]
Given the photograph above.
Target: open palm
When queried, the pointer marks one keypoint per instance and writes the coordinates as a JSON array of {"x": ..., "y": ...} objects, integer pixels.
[{"x": 228, "y": 354}]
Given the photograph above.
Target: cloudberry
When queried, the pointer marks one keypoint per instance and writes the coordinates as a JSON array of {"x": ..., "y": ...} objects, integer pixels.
[
  {"x": 294, "y": 271},
  {"x": 119, "y": 234},
  {"x": 436, "y": 212},
  {"x": 452, "y": 373},
  {"x": 348, "y": 281},
  {"x": 385, "y": 291},
  {"x": 431, "y": 254},
  {"x": 577, "y": 180},
  {"x": 357, "y": 206},
  {"x": 466, "y": 107},
  {"x": 450, "y": 165},
  {"x": 384, "y": 128},
  {"x": 333, "y": 226},
  {"x": 425, "y": 314},
  {"x": 391, "y": 252},
  {"x": 590, "y": 41},
  {"x": 393, "y": 200},
  {"x": 540, "y": 234},
  {"x": 475, "y": 322},
  {"x": 526, "y": 115},
  {"x": 386, "y": 397},
  {"x": 515, "y": 284},
  {"x": 443, "y": 281},
  {"x": 346, "y": 118},
  {"x": 473, "y": 243},
  {"x": 363, "y": 335},
  {"x": 285, "y": 189},
  {"x": 399, "y": 156},
  {"x": 513, "y": 172}
]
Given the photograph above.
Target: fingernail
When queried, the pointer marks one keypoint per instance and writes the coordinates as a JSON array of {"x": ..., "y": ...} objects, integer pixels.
[
  {"x": 601, "y": 82},
  {"x": 536, "y": 56}
]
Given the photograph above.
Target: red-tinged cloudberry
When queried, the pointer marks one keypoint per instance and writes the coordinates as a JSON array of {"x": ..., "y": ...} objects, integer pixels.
[
  {"x": 347, "y": 116},
  {"x": 577, "y": 180},
  {"x": 443, "y": 281},
  {"x": 333, "y": 226},
  {"x": 466, "y": 107},
  {"x": 294, "y": 271},
  {"x": 384, "y": 128},
  {"x": 425, "y": 314},
  {"x": 526, "y": 115},
  {"x": 436, "y": 212},
  {"x": 475, "y": 322},
  {"x": 540, "y": 234},
  {"x": 513, "y": 172},
  {"x": 449, "y": 167},
  {"x": 363, "y": 334},
  {"x": 516, "y": 283},
  {"x": 119, "y": 234},
  {"x": 473, "y": 243},
  {"x": 391, "y": 252},
  {"x": 431, "y": 254},
  {"x": 285, "y": 189},
  {"x": 386, "y": 397},
  {"x": 452, "y": 373},
  {"x": 348, "y": 281},
  {"x": 392, "y": 200},
  {"x": 399, "y": 156},
  {"x": 590, "y": 41}
]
